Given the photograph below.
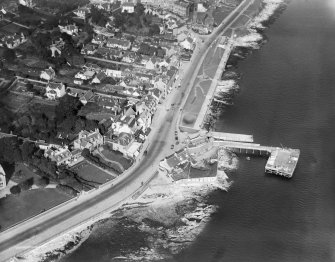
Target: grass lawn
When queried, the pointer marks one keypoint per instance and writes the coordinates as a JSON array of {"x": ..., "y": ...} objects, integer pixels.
[
  {"x": 91, "y": 173},
  {"x": 15, "y": 208},
  {"x": 23, "y": 173},
  {"x": 117, "y": 157}
]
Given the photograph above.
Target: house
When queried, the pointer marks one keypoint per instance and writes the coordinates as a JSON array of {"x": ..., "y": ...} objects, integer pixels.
[
  {"x": 157, "y": 94},
  {"x": 14, "y": 41},
  {"x": 129, "y": 57},
  {"x": 174, "y": 161},
  {"x": 27, "y": 3},
  {"x": 2, "y": 178},
  {"x": 187, "y": 44},
  {"x": 161, "y": 85},
  {"x": 89, "y": 49},
  {"x": 69, "y": 29},
  {"x": 160, "y": 53},
  {"x": 118, "y": 43},
  {"x": 58, "y": 154},
  {"x": 144, "y": 77},
  {"x": 87, "y": 96},
  {"x": 133, "y": 150},
  {"x": 151, "y": 64},
  {"x": 171, "y": 24},
  {"x": 98, "y": 40},
  {"x": 135, "y": 47},
  {"x": 144, "y": 120},
  {"x": 113, "y": 73},
  {"x": 55, "y": 90},
  {"x": 88, "y": 74},
  {"x": 82, "y": 12},
  {"x": 181, "y": 8},
  {"x": 92, "y": 67},
  {"x": 122, "y": 142},
  {"x": 78, "y": 81},
  {"x": 128, "y": 7},
  {"x": 99, "y": 77},
  {"x": 90, "y": 140},
  {"x": 48, "y": 74}
]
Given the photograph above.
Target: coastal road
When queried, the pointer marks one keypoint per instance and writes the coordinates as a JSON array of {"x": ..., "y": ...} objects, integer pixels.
[{"x": 36, "y": 231}]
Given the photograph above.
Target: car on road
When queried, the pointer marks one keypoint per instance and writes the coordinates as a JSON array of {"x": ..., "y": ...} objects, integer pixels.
[{"x": 172, "y": 146}]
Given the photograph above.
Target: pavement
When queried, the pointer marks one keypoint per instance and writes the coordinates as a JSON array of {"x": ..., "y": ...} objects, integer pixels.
[{"x": 34, "y": 232}]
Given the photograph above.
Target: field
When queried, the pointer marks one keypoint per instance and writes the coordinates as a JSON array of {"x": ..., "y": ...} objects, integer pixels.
[
  {"x": 15, "y": 208},
  {"x": 91, "y": 173}
]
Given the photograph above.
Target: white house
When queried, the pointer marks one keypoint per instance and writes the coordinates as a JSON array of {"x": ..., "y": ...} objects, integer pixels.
[
  {"x": 69, "y": 29},
  {"x": 113, "y": 73},
  {"x": 161, "y": 85},
  {"x": 14, "y": 41},
  {"x": 187, "y": 44},
  {"x": 88, "y": 74},
  {"x": 2, "y": 178},
  {"x": 118, "y": 43},
  {"x": 82, "y": 12},
  {"x": 151, "y": 64},
  {"x": 128, "y": 7},
  {"x": 28, "y": 3},
  {"x": 55, "y": 90},
  {"x": 48, "y": 74}
]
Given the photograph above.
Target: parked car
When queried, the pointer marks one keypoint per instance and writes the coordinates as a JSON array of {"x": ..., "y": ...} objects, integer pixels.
[{"x": 172, "y": 146}]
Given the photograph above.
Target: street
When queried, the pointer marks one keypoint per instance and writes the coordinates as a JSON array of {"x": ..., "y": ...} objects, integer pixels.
[{"x": 50, "y": 224}]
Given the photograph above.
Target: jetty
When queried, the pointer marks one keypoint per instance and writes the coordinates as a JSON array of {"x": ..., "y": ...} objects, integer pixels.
[{"x": 281, "y": 161}]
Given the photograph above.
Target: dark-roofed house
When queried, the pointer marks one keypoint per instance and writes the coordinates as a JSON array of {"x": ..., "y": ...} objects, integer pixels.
[
  {"x": 99, "y": 78},
  {"x": 118, "y": 43},
  {"x": 89, "y": 49},
  {"x": 86, "y": 97},
  {"x": 90, "y": 140}
]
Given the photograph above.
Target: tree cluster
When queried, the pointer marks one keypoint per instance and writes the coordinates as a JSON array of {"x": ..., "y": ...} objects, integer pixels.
[
  {"x": 63, "y": 6},
  {"x": 98, "y": 16}
]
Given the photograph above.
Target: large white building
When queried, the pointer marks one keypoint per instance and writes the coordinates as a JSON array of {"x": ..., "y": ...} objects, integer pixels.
[{"x": 55, "y": 90}]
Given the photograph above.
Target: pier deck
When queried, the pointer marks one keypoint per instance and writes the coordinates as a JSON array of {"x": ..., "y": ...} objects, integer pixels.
[
  {"x": 282, "y": 161},
  {"x": 232, "y": 137}
]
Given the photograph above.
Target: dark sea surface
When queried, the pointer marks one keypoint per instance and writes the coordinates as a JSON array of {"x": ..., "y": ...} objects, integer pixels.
[{"x": 287, "y": 98}]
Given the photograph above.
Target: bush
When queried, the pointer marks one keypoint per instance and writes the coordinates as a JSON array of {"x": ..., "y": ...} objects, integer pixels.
[
  {"x": 42, "y": 182},
  {"x": 27, "y": 184},
  {"x": 68, "y": 190},
  {"x": 15, "y": 190}
]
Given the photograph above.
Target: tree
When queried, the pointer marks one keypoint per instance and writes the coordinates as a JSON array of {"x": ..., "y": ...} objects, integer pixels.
[
  {"x": 9, "y": 55},
  {"x": 139, "y": 9},
  {"x": 27, "y": 184},
  {"x": 154, "y": 30},
  {"x": 15, "y": 190},
  {"x": 42, "y": 182},
  {"x": 27, "y": 150}
]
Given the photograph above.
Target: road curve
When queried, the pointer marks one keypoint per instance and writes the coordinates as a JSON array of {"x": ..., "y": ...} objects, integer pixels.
[{"x": 25, "y": 237}]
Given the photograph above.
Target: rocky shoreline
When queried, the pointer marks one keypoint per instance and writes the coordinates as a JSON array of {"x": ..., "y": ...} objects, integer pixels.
[
  {"x": 243, "y": 46},
  {"x": 165, "y": 219}
]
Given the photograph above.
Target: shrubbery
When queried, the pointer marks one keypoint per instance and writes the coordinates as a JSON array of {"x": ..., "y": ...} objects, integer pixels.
[
  {"x": 68, "y": 190},
  {"x": 15, "y": 190}
]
